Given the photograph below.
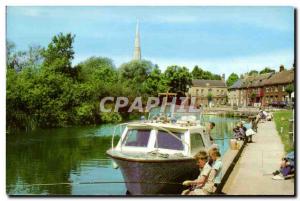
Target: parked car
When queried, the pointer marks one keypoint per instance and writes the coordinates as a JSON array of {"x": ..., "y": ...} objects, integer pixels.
[{"x": 280, "y": 104}]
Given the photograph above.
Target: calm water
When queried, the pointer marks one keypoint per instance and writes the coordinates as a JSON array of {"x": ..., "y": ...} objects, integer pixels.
[{"x": 73, "y": 155}]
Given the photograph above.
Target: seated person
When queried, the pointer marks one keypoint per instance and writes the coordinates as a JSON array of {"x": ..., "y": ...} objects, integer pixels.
[
  {"x": 236, "y": 131},
  {"x": 287, "y": 167},
  {"x": 239, "y": 131},
  {"x": 202, "y": 160},
  {"x": 214, "y": 177},
  {"x": 243, "y": 130}
]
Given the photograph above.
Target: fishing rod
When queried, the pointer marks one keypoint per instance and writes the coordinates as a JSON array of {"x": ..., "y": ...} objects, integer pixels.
[
  {"x": 97, "y": 182},
  {"x": 224, "y": 138}
]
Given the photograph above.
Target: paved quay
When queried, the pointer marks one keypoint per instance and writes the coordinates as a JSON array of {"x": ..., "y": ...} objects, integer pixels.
[{"x": 252, "y": 175}]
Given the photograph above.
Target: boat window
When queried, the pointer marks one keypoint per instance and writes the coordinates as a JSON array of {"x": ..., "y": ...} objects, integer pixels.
[
  {"x": 196, "y": 142},
  {"x": 137, "y": 138},
  {"x": 167, "y": 141}
]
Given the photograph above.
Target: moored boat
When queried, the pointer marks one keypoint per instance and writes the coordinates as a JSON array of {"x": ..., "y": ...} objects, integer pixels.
[{"x": 156, "y": 156}]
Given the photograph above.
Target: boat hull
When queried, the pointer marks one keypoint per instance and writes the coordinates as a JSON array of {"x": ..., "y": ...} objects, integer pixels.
[{"x": 155, "y": 177}]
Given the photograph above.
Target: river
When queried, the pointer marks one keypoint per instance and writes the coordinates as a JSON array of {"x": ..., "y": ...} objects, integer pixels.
[{"x": 55, "y": 161}]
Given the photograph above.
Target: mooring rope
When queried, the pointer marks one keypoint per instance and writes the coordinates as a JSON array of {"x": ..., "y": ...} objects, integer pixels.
[{"x": 96, "y": 182}]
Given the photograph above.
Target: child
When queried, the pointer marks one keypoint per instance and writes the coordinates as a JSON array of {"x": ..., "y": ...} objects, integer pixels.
[
  {"x": 202, "y": 160},
  {"x": 215, "y": 175}
]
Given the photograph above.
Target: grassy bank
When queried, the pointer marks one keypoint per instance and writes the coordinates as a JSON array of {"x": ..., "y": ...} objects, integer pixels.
[{"x": 281, "y": 119}]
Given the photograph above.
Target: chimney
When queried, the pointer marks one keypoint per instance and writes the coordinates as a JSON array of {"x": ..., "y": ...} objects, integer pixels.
[
  {"x": 223, "y": 77},
  {"x": 281, "y": 68}
]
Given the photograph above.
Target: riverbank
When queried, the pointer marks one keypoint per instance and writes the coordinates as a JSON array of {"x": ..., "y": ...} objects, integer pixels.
[
  {"x": 252, "y": 175},
  {"x": 284, "y": 126}
]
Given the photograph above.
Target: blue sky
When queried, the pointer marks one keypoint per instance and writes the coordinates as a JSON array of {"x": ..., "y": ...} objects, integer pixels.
[{"x": 219, "y": 39}]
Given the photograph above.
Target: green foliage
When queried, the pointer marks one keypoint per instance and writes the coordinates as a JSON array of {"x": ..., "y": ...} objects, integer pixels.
[
  {"x": 177, "y": 78},
  {"x": 154, "y": 83},
  {"x": 232, "y": 79},
  {"x": 198, "y": 73},
  {"x": 253, "y": 95},
  {"x": 134, "y": 73},
  {"x": 19, "y": 60},
  {"x": 253, "y": 72},
  {"x": 289, "y": 89},
  {"x": 281, "y": 119},
  {"x": 267, "y": 70},
  {"x": 59, "y": 54},
  {"x": 209, "y": 96},
  {"x": 111, "y": 117}
]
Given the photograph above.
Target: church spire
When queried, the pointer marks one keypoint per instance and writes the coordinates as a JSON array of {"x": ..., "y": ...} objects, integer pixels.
[{"x": 137, "y": 47}]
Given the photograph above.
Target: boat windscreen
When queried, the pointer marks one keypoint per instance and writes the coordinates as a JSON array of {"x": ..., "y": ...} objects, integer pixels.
[
  {"x": 167, "y": 141},
  {"x": 137, "y": 137}
]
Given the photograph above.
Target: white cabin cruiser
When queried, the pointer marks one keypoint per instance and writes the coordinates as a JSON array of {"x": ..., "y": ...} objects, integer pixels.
[{"x": 156, "y": 156}]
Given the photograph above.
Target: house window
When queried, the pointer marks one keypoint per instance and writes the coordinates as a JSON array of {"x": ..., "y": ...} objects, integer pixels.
[
  {"x": 283, "y": 88},
  {"x": 209, "y": 89},
  {"x": 276, "y": 89},
  {"x": 197, "y": 92},
  {"x": 202, "y": 90}
]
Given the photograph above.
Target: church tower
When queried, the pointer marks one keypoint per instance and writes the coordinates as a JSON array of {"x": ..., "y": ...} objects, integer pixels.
[{"x": 137, "y": 46}]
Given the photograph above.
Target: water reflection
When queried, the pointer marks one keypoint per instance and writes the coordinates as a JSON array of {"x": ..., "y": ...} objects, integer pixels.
[
  {"x": 73, "y": 155},
  {"x": 57, "y": 156}
]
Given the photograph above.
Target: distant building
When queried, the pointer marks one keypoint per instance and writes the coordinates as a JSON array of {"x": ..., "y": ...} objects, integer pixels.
[
  {"x": 275, "y": 86},
  {"x": 205, "y": 91},
  {"x": 261, "y": 90},
  {"x": 234, "y": 93},
  {"x": 253, "y": 89}
]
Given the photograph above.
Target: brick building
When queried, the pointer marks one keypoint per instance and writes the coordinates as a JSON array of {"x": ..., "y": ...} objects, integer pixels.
[
  {"x": 275, "y": 86},
  {"x": 261, "y": 90}
]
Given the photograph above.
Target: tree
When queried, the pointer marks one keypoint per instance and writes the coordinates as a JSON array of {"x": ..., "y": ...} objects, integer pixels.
[
  {"x": 232, "y": 79},
  {"x": 177, "y": 78},
  {"x": 253, "y": 95},
  {"x": 59, "y": 54},
  {"x": 253, "y": 72},
  {"x": 289, "y": 89},
  {"x": 267, "y": 70},
  {"x": 154, "y": 83},
  {"x": 198, "y": 73},
  {"x": 21, "y": 59},
  {"x": 134, "y": 73},
  {"x": 209, "y": 98}
]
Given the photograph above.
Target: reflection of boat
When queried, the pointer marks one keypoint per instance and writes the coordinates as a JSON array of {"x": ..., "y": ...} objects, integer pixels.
[{"x": 156, "y": 156}]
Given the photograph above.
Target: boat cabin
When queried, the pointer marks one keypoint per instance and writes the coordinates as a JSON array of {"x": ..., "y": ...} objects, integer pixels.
[{"x": 164, "y": 138}]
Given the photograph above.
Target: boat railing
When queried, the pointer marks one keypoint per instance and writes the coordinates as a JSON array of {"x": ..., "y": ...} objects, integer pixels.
[{"x": 113, "y": 135}]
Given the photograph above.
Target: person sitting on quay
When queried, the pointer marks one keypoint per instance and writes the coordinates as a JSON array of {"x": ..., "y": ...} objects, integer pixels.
[
  {"x": 215, "y": 175},
  {"x": 202, "y": 161},
  {"x": 239, "y": 131},
  {"x": 250, "y": 130},
  {"x": 287, "y": 167}
]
